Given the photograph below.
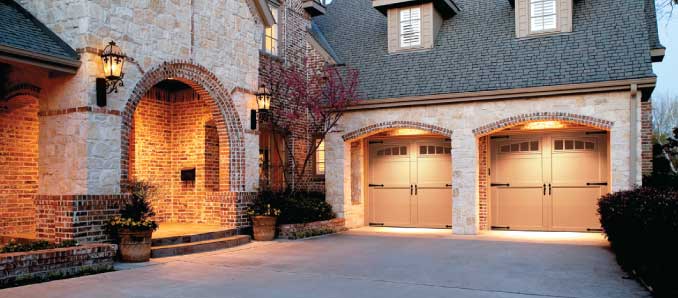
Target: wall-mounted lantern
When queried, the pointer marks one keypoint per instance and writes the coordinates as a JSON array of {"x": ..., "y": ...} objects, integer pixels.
[
  {"x": 263, "y": 104},
  {"x": 113, "y": 61}
]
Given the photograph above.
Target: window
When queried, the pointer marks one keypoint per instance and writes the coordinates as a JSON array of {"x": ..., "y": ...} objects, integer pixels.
[
  {"x": 574, "y": 145},
  {"x": 271, "y": 33},
  {"x": 434, "y": 150},
  {"x": 320, "y": 158},
  {"x": 410, "y": 27},
  {"x": 543, "y": 15},
  {"x": 529, "y": 146}
]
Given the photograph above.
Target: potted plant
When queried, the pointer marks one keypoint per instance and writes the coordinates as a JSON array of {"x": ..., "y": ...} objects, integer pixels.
[
  {"x": 134, "y": 227},
  {"x": 263, "y": 220}
]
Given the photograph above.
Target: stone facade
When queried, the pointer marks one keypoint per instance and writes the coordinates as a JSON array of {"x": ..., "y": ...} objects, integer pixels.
[
  {"x": 290, "y": 231},
  {"x": 468, "y": 124}
]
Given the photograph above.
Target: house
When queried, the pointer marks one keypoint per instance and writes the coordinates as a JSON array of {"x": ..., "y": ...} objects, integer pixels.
[
  {"x": 473, "y": 114},
  {"x": 495, "y": 114}
]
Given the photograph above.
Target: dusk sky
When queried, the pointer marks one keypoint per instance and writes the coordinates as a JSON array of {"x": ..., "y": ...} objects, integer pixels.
[{"x": 667, "y": 71}]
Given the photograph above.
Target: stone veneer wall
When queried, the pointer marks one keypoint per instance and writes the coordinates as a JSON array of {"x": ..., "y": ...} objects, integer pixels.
[
  {"x": 289, "y": 231},
  {"x": 469, "y": 121},
  {"x": 19, "y": 128},
  {"x": 45, "y": 263}
]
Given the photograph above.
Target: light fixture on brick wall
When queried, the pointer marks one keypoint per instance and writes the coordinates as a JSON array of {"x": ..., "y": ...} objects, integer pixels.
[
  {"x": 263, "y": 104},
  {"x": 113, "y": 61}
]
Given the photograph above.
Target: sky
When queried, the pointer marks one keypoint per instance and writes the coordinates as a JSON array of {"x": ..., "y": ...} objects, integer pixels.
[{"x": 667, "y": 71}]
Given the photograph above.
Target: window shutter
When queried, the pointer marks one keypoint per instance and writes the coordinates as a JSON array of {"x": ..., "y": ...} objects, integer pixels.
[
  {"x": 410, "y": 27},
  {"x": 543, "y": 15}
]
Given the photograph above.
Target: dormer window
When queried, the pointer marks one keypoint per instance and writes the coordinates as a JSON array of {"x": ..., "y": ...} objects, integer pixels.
[
  {"x": 410, "y": 27},
  {"x": 543, "y": 16},
  {"x": 413, "y": 25}
]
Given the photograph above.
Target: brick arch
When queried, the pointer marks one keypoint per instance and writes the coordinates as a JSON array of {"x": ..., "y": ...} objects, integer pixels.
[
  {"x": 544, "y": 116},
  {"x": 376, "y": 128},
  {"x": 223, "y": 110}
]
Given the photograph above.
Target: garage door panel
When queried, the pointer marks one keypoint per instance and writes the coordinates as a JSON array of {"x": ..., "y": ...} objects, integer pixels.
[
  {"x": 574, "y": 208},
  {"x": 434, "y": 207},
  {"x": 434, "y": 172},
  {"x": 575, "y": 169},
  {"x": 522, "y": 170},
  {"x": 519, "y": 208},
  {"x": 391, "y": 206}
]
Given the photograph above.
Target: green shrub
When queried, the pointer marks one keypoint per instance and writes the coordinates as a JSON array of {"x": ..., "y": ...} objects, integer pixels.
[
  {"x": 14, "y": 246},
  {"x": 642, "y": 227},
  {"x": 297, "y": 207}
]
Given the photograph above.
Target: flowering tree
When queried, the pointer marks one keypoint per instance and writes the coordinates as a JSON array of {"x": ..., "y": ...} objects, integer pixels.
[{"x": 315, "y": 95}]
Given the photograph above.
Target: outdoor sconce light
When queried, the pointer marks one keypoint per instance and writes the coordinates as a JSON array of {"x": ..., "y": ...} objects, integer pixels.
[
  {"x": 263, "y": 104},
  {"x": 113, "y": 61}
]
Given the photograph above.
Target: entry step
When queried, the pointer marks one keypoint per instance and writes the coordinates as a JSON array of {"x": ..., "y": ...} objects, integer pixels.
[{"x": 198, "y": 246}]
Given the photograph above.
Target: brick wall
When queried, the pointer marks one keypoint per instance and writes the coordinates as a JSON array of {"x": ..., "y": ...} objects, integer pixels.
[
  {"x": 79, "y": 217},
  {"x": 646, "y": 136},
  {"x": 294, "y": 51},
  {"x": 483, "y": 179},
  {"x": 46, "y": 263},
  {"x": 171, "y": 132},
  {"x": 19, "y": 129}
]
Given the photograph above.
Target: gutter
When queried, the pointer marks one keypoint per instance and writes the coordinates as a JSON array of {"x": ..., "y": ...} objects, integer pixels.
[
  {"x": 646, "y": 85},
  {"x": 60, "y": 64}
]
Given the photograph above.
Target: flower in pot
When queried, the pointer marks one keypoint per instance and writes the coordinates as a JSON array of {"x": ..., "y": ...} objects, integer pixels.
[
  {"x": 263, "y": 220},
  {"x": 134, "y": 227}
]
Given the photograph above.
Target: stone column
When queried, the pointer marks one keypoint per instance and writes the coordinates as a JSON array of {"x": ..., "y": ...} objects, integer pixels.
[
  {"x": 337, "y": 183},
  {"x": 465, "y": 219}
]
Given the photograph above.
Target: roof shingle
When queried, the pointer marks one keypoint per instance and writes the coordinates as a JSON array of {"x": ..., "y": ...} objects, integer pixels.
[{"x": 477, "y": 50}]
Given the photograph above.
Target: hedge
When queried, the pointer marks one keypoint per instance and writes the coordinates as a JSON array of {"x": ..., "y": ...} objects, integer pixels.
[
  {"x": 297, "y": 207},
  {"x": 642, "y": 227}
]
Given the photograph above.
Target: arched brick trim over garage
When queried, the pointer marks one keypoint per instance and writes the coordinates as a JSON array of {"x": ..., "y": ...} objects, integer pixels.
[
  {"x": 545, "y": 116},
  {"x": 375, "y": 128},
  {"x": 224, "y": 113}
]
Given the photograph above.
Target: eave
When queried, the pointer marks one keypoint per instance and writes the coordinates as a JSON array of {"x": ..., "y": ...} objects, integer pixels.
[
  {"x": 54, "y": 63},
  {"x": 313, "y": 8},
  {"x": 645, "y": 85},
  {"x": 446, "y": 8}
]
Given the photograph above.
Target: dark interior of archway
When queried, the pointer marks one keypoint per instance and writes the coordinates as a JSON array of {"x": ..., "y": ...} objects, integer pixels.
[{"x": 173, "y": 132}]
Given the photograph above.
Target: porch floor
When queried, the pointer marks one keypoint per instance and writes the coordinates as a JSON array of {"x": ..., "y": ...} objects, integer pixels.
[{"x": 181, "y": 229}]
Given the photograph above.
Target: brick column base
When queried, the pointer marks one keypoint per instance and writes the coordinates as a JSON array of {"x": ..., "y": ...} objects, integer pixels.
[{"x": 76, "y": 217}]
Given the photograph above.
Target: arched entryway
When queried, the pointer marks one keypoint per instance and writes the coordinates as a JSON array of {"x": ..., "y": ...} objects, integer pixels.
[
  {"x": 543, "y": 171},
  {"x": 181, "y": 133},
  {"x": 405, "y": 168}
]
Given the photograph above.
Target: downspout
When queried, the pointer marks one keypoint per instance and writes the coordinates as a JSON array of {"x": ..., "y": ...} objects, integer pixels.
[{"x": 634, "y": 137}]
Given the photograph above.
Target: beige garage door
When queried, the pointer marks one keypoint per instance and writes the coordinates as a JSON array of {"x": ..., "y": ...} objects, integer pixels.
[
  {"x": 410, "y": 183},
  {"x": 548, "y": 182}
]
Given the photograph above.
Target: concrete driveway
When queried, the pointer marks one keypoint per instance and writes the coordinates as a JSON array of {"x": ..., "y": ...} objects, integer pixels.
[{"x": 368, "y": 263}]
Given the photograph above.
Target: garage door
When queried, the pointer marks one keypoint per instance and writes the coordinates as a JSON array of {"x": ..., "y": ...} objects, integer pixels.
[
  {"x": 410, "y": 183},
  {"x": 548, "y": 182}
]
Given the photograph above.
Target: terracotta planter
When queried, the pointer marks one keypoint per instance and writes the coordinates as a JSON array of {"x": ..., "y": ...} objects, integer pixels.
[
  {"x": 135, "y": 246},
  {"x": 264, "y": 227}
]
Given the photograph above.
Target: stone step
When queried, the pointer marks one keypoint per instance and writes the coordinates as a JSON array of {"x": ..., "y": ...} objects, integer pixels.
[
  {"x": 172, "y": 240},
  {"x": 198, "y": 246}
]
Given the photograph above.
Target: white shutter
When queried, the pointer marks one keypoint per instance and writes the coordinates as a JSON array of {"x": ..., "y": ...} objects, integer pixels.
[
  {"x": 410, "y": 27},
  {"x": 543, "y": 15}
]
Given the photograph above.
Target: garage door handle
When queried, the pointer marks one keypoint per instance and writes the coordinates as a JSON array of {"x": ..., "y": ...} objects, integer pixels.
[
  {"x": 596, "y": 183},
  {"x": 376, "y": 185},
  {"x": 544, "y": 188},
  {"x": 415, "y": 190},
  {"x": 411, "y": 189}
]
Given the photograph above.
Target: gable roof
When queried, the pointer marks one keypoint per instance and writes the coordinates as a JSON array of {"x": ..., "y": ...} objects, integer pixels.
[
  {"x": 25, "y": 39},
  {"x": 320, "y": 39},
  {"x": 477, "y": 49}
]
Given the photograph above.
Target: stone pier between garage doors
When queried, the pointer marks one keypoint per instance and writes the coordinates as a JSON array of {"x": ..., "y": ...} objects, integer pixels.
[{"x": 466, "y": 129}]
